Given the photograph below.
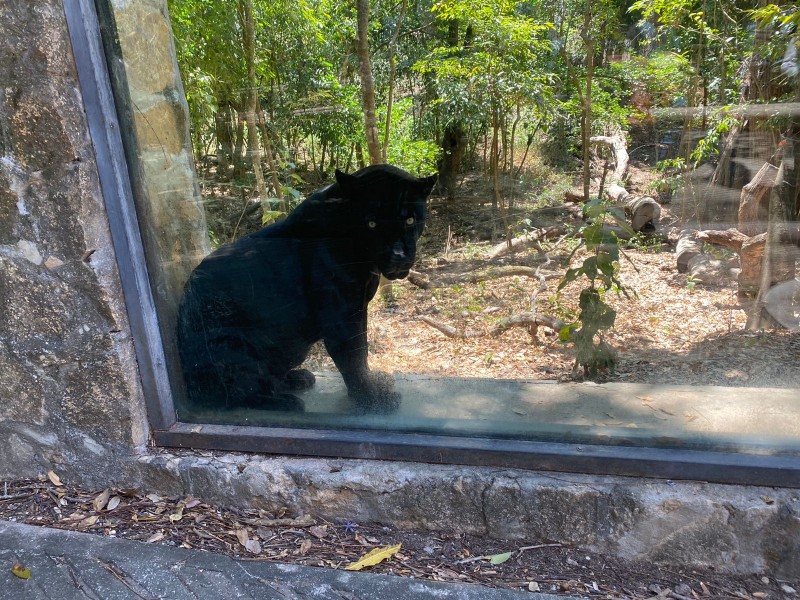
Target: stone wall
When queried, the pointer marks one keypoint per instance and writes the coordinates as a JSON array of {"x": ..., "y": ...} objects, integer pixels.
[{"x": 69, "y": 389}]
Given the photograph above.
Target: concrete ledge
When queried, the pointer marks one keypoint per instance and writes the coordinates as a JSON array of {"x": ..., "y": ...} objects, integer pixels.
[{"x": 736, "y": 529}]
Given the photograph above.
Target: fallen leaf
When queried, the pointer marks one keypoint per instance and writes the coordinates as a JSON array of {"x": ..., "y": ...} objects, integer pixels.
[
  {"x": 253, "y": 546},
  {"x": 499, "y": 559},
  {"x": 21, "y": 571},
  {"x": 241, "y": 535},
  {"x": 318, "y": 531},
  {"x": 113, "y": 503},
  {"x": 768, "y": 499},
  {"x": 157, "y": 536},
  {"x": 88, "y": 521},
  {"x": 192, "y": 503},
  {"x": 760, "y": 594},
  {"x": 305, "y": 546},
  {"x": 154, "y": 498},
  {"x": 373, "y": 557},
  {"x": 100, "y": 502},
  {"x": 533, "y": 587},
  {"x": 177, "y": 515},
  {"x": 54, "y": 479}
]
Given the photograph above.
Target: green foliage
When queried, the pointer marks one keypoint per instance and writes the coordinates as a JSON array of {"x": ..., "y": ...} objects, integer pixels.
[
  {"x": 664, "y": 76},
  {"x": 498, "y": 66},
  {"x": 709, "y": 146},
  {"x": 405, "y": 149},
  {"x": 593, "y": 354}
]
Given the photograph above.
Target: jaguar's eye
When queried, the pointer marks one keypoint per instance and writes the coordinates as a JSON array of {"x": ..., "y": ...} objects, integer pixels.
[
  {"x": 372, "y": 224},
  {"x": 410, "y": 221}
]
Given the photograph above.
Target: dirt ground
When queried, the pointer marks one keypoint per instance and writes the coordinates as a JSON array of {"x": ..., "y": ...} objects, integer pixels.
[
  {"x": 669, "y": 329},
  {"x": 307, "y": 540}
]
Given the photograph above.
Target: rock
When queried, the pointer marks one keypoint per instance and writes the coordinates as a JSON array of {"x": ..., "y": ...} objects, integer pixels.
[
  {"x": 683, "y": 589},
  {"x": 787, "y": 589}
]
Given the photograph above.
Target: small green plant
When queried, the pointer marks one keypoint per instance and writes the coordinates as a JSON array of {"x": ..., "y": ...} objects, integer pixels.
[
  {"x": 691, "y": 282},
  {"x": 596, "y": 317}
]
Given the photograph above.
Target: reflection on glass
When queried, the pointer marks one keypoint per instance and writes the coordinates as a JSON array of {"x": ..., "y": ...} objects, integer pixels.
[{"x": 617, "y": 204}]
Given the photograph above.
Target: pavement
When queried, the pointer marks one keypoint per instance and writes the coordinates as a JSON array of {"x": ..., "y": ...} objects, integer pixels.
[{"x": 67, "y": 565}]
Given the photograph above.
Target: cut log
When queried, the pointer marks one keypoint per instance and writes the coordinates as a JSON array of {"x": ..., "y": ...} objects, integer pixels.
[
  {"x": 753, "y": 214},
  {"x": 687, "y": 248},
  {"x": 700, "y": 267},
  {"x": 643, "y": 211},
  {"x": 617, "y": 145},
  {"x": 709, "y": 271}
]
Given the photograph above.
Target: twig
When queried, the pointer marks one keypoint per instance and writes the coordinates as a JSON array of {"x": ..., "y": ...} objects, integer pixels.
[{"x": 537, "y": 546}]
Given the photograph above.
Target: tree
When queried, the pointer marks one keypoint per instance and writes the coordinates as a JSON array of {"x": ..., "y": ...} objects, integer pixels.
[{"x": 367, "y": 83}]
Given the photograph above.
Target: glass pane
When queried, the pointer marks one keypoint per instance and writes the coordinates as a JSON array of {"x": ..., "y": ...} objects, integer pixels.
[{"x": 609, "y": 253}]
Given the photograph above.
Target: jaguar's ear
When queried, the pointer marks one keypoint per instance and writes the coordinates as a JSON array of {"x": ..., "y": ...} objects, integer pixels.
[
  {"x": 348, "y": 184},
  {"x": 426, "y": 184}
]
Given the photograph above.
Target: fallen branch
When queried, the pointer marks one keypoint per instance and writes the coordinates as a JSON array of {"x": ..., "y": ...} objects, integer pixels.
[
  {"x": 425, "y": 282},
  {"x": 451, "y": 331},
  {"x": 528, "y": 319},
  {"x": 529, "y": 239},
  {"x": 730, "y": 238}
]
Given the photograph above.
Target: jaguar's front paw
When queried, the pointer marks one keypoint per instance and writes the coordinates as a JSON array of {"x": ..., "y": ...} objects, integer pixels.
[
  {"x": 299, "y": 380},
  {"x": 376, "y": 393}
]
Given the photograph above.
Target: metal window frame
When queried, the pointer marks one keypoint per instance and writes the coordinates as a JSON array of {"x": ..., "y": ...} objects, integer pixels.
[{"x": 116, "y": 175}]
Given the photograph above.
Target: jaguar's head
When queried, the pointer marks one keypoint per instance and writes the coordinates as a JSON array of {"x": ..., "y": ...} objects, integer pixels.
[{"x": 392, "y": 207}]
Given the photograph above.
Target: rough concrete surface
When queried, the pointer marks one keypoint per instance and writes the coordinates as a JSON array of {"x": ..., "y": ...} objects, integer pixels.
[{"x": 734, "y": 528}]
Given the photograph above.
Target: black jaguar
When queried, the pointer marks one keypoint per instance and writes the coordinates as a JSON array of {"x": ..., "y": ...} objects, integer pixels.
[{"x": 251, "y": 310}]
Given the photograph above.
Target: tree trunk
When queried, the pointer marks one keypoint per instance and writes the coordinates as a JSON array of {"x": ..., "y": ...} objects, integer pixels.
[
  {"x": 454, "y": 138},
  {"x": 262, "y": 121},
  {"x": 367, "y": 84},
  {"x": 586, "y": 120},
  {"x": 390, "y": 99},
  {"x": 753, "y": 214},
  {"x": 454, "y": 144},
  {"x": 223, "y": 130},
  {"x": 245, "y": 11},
  {"x": 238, "y": 144}
]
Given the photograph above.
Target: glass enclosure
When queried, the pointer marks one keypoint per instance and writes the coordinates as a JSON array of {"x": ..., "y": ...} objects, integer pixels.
[{"x": 609, "y": 252}]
